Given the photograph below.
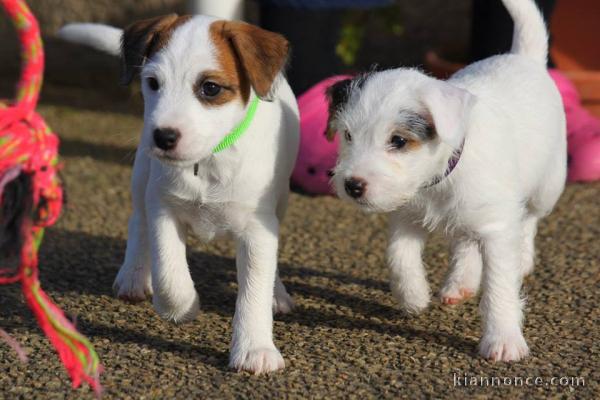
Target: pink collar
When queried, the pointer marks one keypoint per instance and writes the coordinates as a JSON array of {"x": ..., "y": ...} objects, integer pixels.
[{"x": 452, "y": 163}]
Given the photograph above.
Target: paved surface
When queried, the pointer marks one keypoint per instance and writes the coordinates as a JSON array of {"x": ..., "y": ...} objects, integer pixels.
[{"x": 347, "y": 337}]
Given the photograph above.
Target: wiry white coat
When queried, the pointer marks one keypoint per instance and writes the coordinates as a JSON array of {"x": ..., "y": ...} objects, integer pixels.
[
  {"x": 241, "y": 191},
  {"x": 509, "y": 115}
]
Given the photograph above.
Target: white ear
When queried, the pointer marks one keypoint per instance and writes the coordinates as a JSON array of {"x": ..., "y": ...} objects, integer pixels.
[{"x": 450, "y": 107}]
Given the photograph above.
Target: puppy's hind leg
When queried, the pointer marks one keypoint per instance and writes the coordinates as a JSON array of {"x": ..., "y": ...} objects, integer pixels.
[
  {"x": 282, "y": 301},
  {"x": 134, "y": 282},
  {"x": 465, "y": 271},
  {"x": 540, "y": 205},
  {"x": 528, "y": 246},
  {"x": 501, "y": 306},
  {"x": 408, "y": 279}
]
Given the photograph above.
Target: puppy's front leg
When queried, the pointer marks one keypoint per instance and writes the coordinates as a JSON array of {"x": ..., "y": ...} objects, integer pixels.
[
  {"x": 501, "y": 306},
  {"x": 408, "y": 279},
  {"x": 252, "y": 347},
  {"x": 175, "y": 298}
]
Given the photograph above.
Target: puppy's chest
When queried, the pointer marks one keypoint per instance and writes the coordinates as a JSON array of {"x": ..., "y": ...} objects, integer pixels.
[
  {"x": 435, "y": 213},
  {"x": 205, "y": 220},
  {"x": 204, "y": 206}
]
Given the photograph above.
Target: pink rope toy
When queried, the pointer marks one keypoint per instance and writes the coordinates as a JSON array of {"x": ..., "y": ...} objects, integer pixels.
[{"x": 31, "y": 199}]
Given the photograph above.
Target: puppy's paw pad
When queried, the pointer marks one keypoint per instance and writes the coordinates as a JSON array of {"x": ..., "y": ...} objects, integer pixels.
[
  {"x": 132, "y": 285},
  {"x": 283, "y": 303},
  {"x": 258, "y": 361},
  {"x": 452, "y": 297},
  {"x": 178, "y": 310},
  {"x": 504, "y": 348}
]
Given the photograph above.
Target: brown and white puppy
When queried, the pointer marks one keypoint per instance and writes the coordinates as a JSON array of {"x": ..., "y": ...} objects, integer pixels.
[{"x": 200, "y": 77}]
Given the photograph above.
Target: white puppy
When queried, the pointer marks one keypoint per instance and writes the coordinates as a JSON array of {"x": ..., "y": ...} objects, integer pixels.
[
  {"x": 214, "y": 158},
  {"x": 482, "y": 156}
]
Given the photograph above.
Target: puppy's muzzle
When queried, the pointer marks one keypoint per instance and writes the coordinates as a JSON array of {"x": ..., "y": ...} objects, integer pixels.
[
  {"x": 166, "y": 138},
  {"x": 355, "y": 187}
]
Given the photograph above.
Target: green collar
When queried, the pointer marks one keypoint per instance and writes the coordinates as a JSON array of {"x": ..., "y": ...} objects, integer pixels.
[
  {"x": 239, "y": 130},
  {"x": 236, "y": 133}
]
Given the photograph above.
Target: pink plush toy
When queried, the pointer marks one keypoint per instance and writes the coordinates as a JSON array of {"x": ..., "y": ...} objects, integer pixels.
[
  {"x": 317, "y": 156},
  {"x": 583, "y": 133}
]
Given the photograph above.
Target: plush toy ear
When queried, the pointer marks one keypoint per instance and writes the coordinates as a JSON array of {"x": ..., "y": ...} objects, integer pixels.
[
  {"x": 144, "y": 38},
  {"x": 337, "y": 95},
  {"x": 450, "y": 108},
  {"x": 261, "y": 53}
]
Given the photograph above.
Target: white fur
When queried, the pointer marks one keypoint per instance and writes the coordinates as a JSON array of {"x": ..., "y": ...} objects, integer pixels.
[
  {"x": 101, "y": 37},
  {"x": 241, "y": 191},
  {"x": 509, "y": 115}
]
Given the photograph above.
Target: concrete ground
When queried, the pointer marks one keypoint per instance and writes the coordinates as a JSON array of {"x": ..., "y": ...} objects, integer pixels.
[{"x": 346, "y": 339}]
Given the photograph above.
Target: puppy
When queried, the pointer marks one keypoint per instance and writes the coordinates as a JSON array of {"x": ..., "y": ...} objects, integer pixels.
[
  {"x": 219, "y": 143},
  {"x": 482, "y": 156}
]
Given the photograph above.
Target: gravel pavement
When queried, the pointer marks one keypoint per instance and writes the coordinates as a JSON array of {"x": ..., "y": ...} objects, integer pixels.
[{"x": 347, "y": 337}]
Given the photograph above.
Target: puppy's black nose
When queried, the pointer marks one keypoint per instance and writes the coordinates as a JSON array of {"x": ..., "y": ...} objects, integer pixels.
[
  {"x": 166, "y": 138},
  {"x": 355, "y": 187}
]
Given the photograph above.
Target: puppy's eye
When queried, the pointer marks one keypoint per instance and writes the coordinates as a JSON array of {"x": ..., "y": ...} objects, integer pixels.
[
  {"x": 153, "y": 84},
  {"x": 210, "y": 89},
  {"x": 397, "y": 142},
  {"x": 348, "y": 136}
]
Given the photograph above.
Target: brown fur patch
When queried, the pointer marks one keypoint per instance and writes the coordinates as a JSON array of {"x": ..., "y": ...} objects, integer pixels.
[
  {"x": 143, "y": 39},
  {"x": 250, "y": 55},
  {"x": 412, "y": 143},
  {"x": 231, "y": 76}
]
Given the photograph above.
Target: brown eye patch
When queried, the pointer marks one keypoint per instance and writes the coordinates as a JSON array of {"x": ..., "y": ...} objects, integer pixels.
[{"x": 215, "y": 88}]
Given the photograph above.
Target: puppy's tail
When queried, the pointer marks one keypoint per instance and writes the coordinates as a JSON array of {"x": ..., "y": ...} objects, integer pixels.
[
  {"x": 100, "y": 37},
  {"x": 530, "y": 35}
]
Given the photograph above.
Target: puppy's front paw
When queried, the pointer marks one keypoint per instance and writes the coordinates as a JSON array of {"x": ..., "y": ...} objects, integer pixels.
[
  {"x": 453, "y": 294},
  {"x": 413, "y": 299},
  {"x": 511, "y": 347},
  {"x": 257, "y": 361},
  {"x": 282, "y": 303},
  {"x": 178, "y": 308},
  {"x": 133, "y": 283}
]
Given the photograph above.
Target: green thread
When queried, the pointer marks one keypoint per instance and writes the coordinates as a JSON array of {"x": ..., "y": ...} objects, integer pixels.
[
  {"x": 239, "y": 130},
  {"x": 69, "y": 335}
]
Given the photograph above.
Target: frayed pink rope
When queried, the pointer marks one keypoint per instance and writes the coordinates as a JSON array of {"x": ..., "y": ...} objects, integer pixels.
[
  {"x": 14, "y": 345},
  {"x": 10, "y": 175}
]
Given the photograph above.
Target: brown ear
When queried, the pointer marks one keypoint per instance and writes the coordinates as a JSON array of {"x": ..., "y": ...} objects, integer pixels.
[
  {"x": 144, "y": 38},
  {"x": 337, "y": 95},
  {"x": 262, "y": 54}
]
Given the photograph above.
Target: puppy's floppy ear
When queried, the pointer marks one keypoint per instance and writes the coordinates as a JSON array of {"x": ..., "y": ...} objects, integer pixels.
[
  {"x": 261, "y": 53},
  {"x": 450, "y": 108},
  {"x": 337, "y": 95},
  {"x": 142, "y": 39}
]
